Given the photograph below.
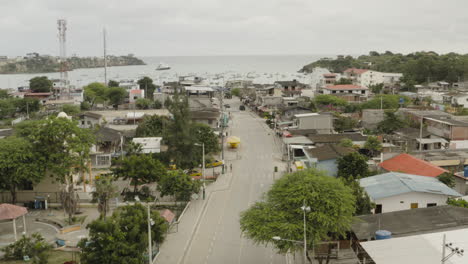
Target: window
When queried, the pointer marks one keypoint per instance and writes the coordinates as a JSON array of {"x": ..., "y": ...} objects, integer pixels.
[
  {"x": 103, "y": 160},
  {"x": 414, "y": 205},
  {"x": 431, "y": 204},
  {"x": 378, "y": 208},
  {"x": 83, "y": 122},
  {"x": 334, "y": 92},
  {"x": 26, "y": 186},
  {"x": 363, "y": 91}
]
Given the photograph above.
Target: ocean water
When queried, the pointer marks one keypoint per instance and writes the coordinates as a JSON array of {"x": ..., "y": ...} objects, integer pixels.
[{"x": 216, "y": 69}]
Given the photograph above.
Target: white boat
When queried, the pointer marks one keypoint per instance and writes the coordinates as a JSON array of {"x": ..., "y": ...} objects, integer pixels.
[{"x": 162, "y": 67}]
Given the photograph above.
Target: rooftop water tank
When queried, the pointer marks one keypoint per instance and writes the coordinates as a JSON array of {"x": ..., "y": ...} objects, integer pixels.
[{"x": 382, "y": 234}]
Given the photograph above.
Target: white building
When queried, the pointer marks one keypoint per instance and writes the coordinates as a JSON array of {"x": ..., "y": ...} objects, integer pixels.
[
  {"x": 346, "y": 89},
  {"x": 323, "y": 123},
  {"x": 423, "y": 248},
  {"x": 399, "y": 191},
  {"x": 369, "y": 77},
  {"x": 460, "y": 100},
  {"x": 149, "y": 144}
]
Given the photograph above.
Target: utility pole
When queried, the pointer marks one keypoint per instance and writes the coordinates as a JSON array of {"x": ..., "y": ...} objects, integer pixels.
[
  {"x": 27, "y": 110},
  {"x": 454, "y": 250},
  {"x": 150, "y": 247},
  {"x": 421, "y": 134},
  {"x": 105, "y": 55},
  {"x": 203, "y": 170},
  {"x": 222, "y": 128}
]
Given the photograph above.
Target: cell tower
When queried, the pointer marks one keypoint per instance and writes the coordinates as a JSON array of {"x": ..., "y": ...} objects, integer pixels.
[{"x": 63, "y": 91}]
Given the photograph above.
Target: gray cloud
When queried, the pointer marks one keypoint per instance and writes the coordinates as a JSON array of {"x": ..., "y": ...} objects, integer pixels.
[{"x": 210, "y": 27}]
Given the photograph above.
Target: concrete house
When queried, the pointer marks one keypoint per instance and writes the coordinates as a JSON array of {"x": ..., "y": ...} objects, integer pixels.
[
  {"x": 394, "y": 191},
  {"x": 323, "y": 123},
  {"x": 349, "y": 92},
  {"x": 447, "y": 127},
  {"x": 325, "y": 157}
]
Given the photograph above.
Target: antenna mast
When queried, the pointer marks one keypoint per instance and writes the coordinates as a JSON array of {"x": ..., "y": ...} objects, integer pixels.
[
  {"x": 63, "y": 90},
  {"x": 105, "y": 55}
]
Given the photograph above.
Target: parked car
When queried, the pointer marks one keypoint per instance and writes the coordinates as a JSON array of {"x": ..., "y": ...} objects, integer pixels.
[
  {"x": 227, "y": 106},
  {"x": 215, "y": 163},
  {"x": 242, "y": 108},
  {"x": 193, "y": 173}
]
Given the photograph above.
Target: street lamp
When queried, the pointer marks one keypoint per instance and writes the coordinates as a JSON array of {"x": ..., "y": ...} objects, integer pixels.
[
  {"x": 203, "y": 166},
  {"x": 305, "y": 209},
  {"x": 150, "y": 223}
]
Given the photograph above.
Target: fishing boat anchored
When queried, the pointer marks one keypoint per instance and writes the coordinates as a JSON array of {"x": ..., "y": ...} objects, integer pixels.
[{"x": 162, "y": 67}]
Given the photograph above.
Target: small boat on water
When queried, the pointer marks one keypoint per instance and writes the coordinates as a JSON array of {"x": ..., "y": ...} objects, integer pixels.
[{"x": 162, "y": 67}]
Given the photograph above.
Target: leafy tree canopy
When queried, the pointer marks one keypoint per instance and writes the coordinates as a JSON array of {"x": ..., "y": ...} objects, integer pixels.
[
  {"x": 391, "y": 123},
  {"x": 352, "y": 166},
  {"x": 113, "y": 83},
  {"x": 374, "y": 145},
  {"x": 205, "y": 134},
  {"x": 146, "y": 83},
  {"x": 386, "y": 101},
  {"x": 95, "y": 93},
  {"x": 116, "y": 95},
  {"x": 179, "y": 184},
  {"x": 19, "y": 165},
  {"x": 71, "y": 110},
  {"x": 417, "y": 67},
  {"x": 143, "y": 103},
  {"x": 280, "y": 214},
  {"x": 447, "y": 178},
  {"x": 123, "y": 237},
  {"x": 139, "y": 170},
  {"x": 40, "y": 84},
  {"x": 342, "y": 123},
  {"x": 326, "y": 99},
  {"x": 152, "y": 126}
]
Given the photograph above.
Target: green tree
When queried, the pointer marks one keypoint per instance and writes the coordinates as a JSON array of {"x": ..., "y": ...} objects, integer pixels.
[
  {"x": 376, "y": 88},
  {"x": 71, "y": 110},
  {"x": 342, "y": 123},
  {"x": 104, "y": 191},
  {"x": 178, "y": 184},
  {"x": 34, "y": 246},
  {"x": 152, "y": 126},
  {"x": 352, "y": 166},
  {"x": 123, "y": 237},
  {"x": 236, "y": 92},
  {"x": 363, "y": 203},
  {"x": 326, "y": 99},
  {"x": 40, "y": 84},
  {"x": 344, "y": 81},
  {"x": 139, "y": 170},
  {"x": 374, "y": 145},
  {"x": 390, "y": 123},
  {"x": 457, "y": 202},
  {"x": 205, "y": 134},
  {"x": 143, "y": 103},
  {"x": 18, "y": 165},
  {"x": 157, "y": 104},
  {"x": 447, "y": 179},
  {"x": 178, "y": 134},
  {"x": 84, "y": 106},
  {"x": 146, "y": 83},
  {"x": 26, "y": 105},
  {"x": 280, "y": 214},
  {"x": 95, "y": 93},
  {"x": 116, "y": 95},
  {"x": 4, "y": 94},
  {"x": 385, "y": 101},
  {"x": 113, "y": 83},
  {"x": 64, "y": 149},
  {"x": 7, "y": 108},
  {"x": 346, "y": 142}
]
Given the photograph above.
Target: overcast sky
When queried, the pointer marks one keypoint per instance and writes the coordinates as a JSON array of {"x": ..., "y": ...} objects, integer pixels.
[{"x": 231, "y": 27}]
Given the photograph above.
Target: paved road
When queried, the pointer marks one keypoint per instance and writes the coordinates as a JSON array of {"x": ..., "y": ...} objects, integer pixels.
[{"x": 216, "y": 236}]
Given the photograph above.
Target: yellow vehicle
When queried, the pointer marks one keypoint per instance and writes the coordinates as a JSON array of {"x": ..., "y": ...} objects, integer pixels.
[
  {"x": 215, "y": 163},
  {"x": 233, "y": 142},
  {"x": 299, "y": 165},
  {"x": 193, "y": 173},
  {"x": 172, "y": 167}
]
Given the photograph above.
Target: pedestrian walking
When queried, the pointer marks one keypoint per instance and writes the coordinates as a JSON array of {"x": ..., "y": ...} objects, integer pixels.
[{"x": 231, "y": 167}]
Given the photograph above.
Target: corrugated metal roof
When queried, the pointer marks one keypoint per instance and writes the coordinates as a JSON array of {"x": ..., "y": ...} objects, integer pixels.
[{"x": 394, "y": 183}]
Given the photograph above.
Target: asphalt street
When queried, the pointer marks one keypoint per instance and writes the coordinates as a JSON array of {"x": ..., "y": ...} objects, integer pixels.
[{"x": 210, "y": 231}]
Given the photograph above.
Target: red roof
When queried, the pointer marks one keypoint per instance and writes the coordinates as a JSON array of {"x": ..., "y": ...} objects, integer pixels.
[
  {"x": 329, "y": 75},
  {"x": 356, "y": 71},
  {"x": 10, "y": 211},
  {"x": 346, "y": 87},
  {"x": 168, "y": 215},
  {"x": 406, "y": 163}
]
